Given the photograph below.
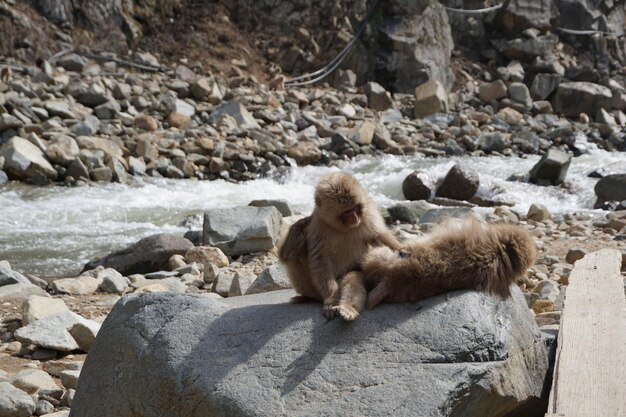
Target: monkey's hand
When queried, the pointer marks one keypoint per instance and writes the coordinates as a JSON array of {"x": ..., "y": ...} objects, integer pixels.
[{"x": 331, "y": 299}]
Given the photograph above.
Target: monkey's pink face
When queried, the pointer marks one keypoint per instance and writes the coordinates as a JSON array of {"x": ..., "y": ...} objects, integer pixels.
[{"x": 352, "y": 217}]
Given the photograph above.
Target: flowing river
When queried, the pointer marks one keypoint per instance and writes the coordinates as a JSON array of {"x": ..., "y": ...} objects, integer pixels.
[{"x": 53, "y": 231}]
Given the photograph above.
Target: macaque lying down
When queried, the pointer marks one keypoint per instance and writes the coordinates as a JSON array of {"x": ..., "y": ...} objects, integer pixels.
[{"x": 458, "y": 254}]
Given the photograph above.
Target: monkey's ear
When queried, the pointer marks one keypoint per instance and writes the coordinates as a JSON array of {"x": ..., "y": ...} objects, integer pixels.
[{"x": 318, "y": 201}]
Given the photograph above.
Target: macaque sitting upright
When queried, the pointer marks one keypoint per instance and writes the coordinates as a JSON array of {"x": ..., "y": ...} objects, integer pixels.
[{"x": 323, "y": 252}]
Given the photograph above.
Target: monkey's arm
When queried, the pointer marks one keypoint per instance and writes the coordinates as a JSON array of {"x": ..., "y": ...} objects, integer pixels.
[
  {"x": 294, "y": 246},
  {"x": 323, "y": 278},
  {"x": 386, "y": 238}
]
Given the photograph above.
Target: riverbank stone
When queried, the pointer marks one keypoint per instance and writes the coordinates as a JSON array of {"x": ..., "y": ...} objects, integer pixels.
[
  {"x": 551, "y": 168},
  {"x": 25, "y": 161},
  {"x": 415, "y": 186},
  {"x": 271, "y": 279},
  {"x": 8, "y": 276},
  {"x": 242, "y": 230},
  {"x": 610, "y": 188},
  {"x": 460, "y": 183},
  {"x": 149, "y": 344},
  {"x": 52, "y": 332},
  {"x": 430, "y": 98},
  {"x": 14, "y": 402},
  {"x": 574, "y": 98},
  {"x": 147, "y": 255}
]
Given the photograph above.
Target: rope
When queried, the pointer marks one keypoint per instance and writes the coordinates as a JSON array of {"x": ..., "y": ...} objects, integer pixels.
[
  {"x": 320, "y": 74},
  {"x": 586, "y": 32},
  {"x": 473, "y": 11},
  {"x": 144, "y": 66}
]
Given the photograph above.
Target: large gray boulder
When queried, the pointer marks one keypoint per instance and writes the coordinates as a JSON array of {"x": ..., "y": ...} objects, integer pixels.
[
  {"x": 460, "y": 353},
  {"x": 551, "y": 168},
  {"x": 8, "y": 276},
  {"x": 460, "y": 183},
  {"x": 25, "y": 161},
  {"x": 242, "y": 230},
  {"x": 14, "y": 402},
  {"x": 574, "y": 98},
  {"x": 237, "y": 111},
  {"x": 147, "y": 255},
  {"x": 519, "y": 15},
  {"x": 610, "y": 188}
]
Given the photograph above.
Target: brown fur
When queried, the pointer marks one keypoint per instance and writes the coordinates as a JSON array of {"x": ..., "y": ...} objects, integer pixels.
[
  {"x": 5, "y": 74},
  {"x": 458, "y": 254},
  {"x": 323, "y": 251}
]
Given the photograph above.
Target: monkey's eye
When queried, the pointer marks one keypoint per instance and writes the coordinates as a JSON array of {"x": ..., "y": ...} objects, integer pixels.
[{"x": 403, "y": 253}]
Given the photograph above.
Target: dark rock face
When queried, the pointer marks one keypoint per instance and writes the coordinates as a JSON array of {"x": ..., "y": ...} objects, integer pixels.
[
  {"x": 610, "y": 188},
  {"x": 460, "y": 353},
  {"x": 551, "y": 168},
  {"x": 578, "y": 97},
  {"x": 414, "y": 186},
  {"x": 460, "y": 184},
  {"x": 519, "y": 15},
  {"x": 147, "y": 255}
]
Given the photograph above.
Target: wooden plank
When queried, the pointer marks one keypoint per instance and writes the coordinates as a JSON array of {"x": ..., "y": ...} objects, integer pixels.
[{"x": 590, "y": 370}]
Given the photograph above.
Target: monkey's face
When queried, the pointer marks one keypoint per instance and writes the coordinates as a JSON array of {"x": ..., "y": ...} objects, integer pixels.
[{"x": 340, "y": 200}]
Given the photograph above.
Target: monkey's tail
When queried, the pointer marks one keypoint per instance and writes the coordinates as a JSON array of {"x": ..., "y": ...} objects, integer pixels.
[{"x": 520, "y": 254}]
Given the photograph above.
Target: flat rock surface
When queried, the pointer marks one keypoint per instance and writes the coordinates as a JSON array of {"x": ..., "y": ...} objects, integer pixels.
[{"x": 461, "y": 353}]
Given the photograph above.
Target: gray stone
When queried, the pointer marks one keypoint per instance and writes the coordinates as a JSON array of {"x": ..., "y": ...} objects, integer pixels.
[
  {"x": 136, "y": 166},
  {"x": 24, "y": 161},
  {"x": 32, "y": 381},
  {"x": 488, "y": 346},
  {"x": 538, "y": 213},
  {"x": 519, "y": 15},
  {"x": 52, "y": 332},
  {"x": 281, "y": 205},
  {"x": 14, "y": 402},
  {"x": 9, "y": 276},
  {"x": 201, "y": 89},
  {"x": 363, "y": 133},
  {"x": 551, "y": 168},
  {"x": 94, "y": 96},
  {"x": 378, "y": 98},
  {"x": 416, "y": 186},
  {"x": 55, "y": 368},
  {"x": 223, "y": 282},
  {"x": 574, "y": 98},
  {"x": 147, "y": 255},
  {"x": 547, "y": 290},
  {"x": 237, "y": 111},
  {"x": 271, "y": 279},
  {"x": 59, "y": 108},
  {"x": 72, "y": 62},
  {"x": 493, "y": 142},
  {"x": 527, "y": 48},
  {"x": 544, "y": 85},
  {"x": 610, "y": 188},
  {"x": 62, "y": 149},
  {"x": 430, "y": 98},
  {"x": 84, "y": 332},
  {"x": 36, "y": 307},
  {"x": 519, "y": 93},
  {"x": 460, "y": 183},
  {"x": 492, "y": 91},
  {"x": 43, "y": 407},
  {"x": 242, "y": 230},
  {"x": 8, "y": 121},
  {"x": 438, "y": 214},
  {"x": 21, "y": 291},
  {"x": 409, "y": 212},
  {"x": 77, "y": 170},
  {"x": 161, "y": 274},
  {"x": 69, "y": 378},
  {"x": 82, "y": 285},
  {"x": 108, "y": 110},
  {"x": 241, "y": 282},
  {"x": 118, "y": 171},
  {"x": 112, "y": 281}
]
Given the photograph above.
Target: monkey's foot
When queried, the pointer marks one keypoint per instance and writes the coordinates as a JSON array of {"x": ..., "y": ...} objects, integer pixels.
[
  {"x": 347, "y": 312},
  {"x": 329, "y": 311}
]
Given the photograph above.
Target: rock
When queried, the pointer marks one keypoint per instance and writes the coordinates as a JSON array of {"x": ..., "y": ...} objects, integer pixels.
[
  {"x": 72, "y": 62},
  {"x": 498, "y": 358},
  {"x": 574, "y": 254},
  {"x": 547, "y": 290},
  {"x": 460, "y": 184},
  {"x": 95, "y": 95},
  {"x": 108, "y": 110},
  {"x": 146, "y": 122},
  {"x": 514, "y": 71},
  {"x": 76, "y": 286},
  {"x": 242, "y": 230},
  {"x": 430, "y": 98},
  {"x": 207, "y": 254},
  {"x": 32, "y": 381},
  {"x": 241, "y": 282},
  {"x": 60, "y": 109},
  {"x": 176, "y": 261},
  {"x": 102, "y": 174},
  {"x": 162, "y": 285},
  {"x": 147, "y": 255},
  {"x": 414, "y": 186},
  {"x": 8, "y": 121},
  {"x": 43, "y": 407},
  {"x": 271, "y": 279},
  {"x": 519, "y": 92},
  {"x": 281, "y": 205},
  {"x": 510, "y": 116},
  {"x": 77, "y": 170},
  {"x": 437, "y": 214},
  {"x": 551, "y": 168},
  {"x": 25, "y": 161},
  {"x": 14, "y": 402},
  {"x": 544, "y": 85},
  {"x": 223, "y": 282},
  {"x": 179, "y": 121},
  {"x": 69, "y": 379},
  {"x": 610, "y": 188},
  {"x": 201, "y": 89},
  {"x": 237, "y": 111},
  {"x": 519, "y": 15},
  {"x": 62, "y": 149},
  {"x": 378, "y": 98},
  {"x": 4, "y": 178},
  {"x": 64, "y": 413},
  {"x": 21, "y": 291},
  {"x": 9, "y": 276},
  {"x": 55, "y": 368},
  {"x": 538, "y": 213},
  {"x": 52, "y": 332},
  {"x": 574, "y": 98},
  {"x": 409, "y": 212},
  {"x": 363, "y": 133},
  {"x": 35, "y": 308},
  {"x": 136, "y": 166},
  {"x": 112, "y": 281},
  {"x": 492, "y": 91},
  {"x": 305, "y": 153},
  {"x": 89, "y": 126},
  {"x": 211, "y": 272},
  {"x": 84, "y": 332}
]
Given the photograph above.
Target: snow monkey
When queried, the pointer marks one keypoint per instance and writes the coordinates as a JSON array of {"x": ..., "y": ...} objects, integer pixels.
[
  {"x": 323, "y": 252},
  {"x": 461, "y": 253}
]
